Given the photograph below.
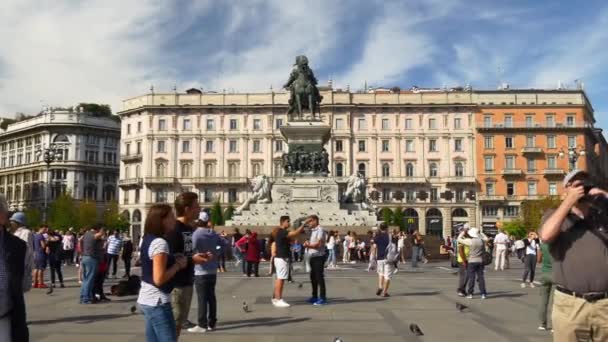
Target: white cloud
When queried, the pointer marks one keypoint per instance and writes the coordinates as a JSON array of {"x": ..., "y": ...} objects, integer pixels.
[{"x": 98, "y": 51}]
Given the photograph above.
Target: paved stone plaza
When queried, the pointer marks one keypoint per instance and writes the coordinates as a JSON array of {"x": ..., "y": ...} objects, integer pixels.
[{"x": 426, "y": 297}]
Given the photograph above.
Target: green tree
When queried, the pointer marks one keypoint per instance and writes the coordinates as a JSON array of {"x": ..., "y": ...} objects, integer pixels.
[
  {"x": 96, "y": 109},
  {"x": 398, "y": 219},
  {"x": 33, "y": 217},
  {"x": 533, "y": 210},
  {"x": 87, "y": 214},
  {"x": 62, "y": 212},
  {"x": 112, "y": 219},
  {"x": 216, "y": 214},
  {"x": 229, "y": 212},
  {"x": 515, "y": 228},
  {"x": 387, "y": 215}
]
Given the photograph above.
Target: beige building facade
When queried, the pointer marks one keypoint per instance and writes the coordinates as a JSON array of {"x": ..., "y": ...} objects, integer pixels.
[
  {"x": 416, "y": 149},
  {"x": 86, "y": 162}
]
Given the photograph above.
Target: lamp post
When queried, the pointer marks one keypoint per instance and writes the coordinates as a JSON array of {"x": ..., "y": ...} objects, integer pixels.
[
  {"x": 573, "y": 154},
  {"x": 49, "y": 155}
]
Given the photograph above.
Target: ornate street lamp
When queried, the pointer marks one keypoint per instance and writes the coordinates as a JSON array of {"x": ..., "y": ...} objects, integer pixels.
[
  {"x": 49, "y": 155},
  {"x": 573, "y": 154}
]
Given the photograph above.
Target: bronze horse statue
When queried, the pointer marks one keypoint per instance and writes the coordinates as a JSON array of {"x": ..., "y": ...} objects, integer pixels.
[{"x": 304, "y": 93}]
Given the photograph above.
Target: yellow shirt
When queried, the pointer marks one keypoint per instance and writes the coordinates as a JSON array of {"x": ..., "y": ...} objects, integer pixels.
[{"x": 466, "y": 253}]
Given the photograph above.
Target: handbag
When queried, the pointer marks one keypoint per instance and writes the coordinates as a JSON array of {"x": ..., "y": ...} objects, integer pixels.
[{"x": 486, "y": 258}]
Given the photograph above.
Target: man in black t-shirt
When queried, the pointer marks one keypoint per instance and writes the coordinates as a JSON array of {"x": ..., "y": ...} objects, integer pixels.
[
  {"x": 281, "y": 259},
  {"x": 180, "y": 242}
]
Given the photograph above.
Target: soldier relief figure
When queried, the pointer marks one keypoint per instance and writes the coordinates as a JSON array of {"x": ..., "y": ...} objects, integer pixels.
[{"x": 303, "y": 162}]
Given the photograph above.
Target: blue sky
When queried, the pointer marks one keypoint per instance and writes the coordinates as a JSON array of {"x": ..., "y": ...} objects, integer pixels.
[{"x": 63, "y": 52}]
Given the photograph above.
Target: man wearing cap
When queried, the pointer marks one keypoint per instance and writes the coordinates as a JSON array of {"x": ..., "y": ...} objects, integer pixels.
[
  {"x": 17, "y": 228},
  {"x": 476, "y": 242},
  {"x": 13, "y": 251},
  {"x": 578, "y": 243}
]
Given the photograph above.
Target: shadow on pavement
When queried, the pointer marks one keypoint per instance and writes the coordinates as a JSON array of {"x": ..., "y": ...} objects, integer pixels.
[
  {"x": 411, "y": 294},
  {"x": 79, "y": 319},
  {"x": 261, "y": 321}
]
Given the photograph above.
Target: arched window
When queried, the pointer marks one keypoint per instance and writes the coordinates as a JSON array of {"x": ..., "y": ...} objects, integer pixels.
[
  {"x": 126, "y": 172},
  {"x": 90, "y": 192},
  {"x": 361, "y": 169},
  {"x": 433, "y": 169},
  {"x": 257, "y": 169},
  {"x": 185, "y": 170},
  {"x": 136, "y": 216},
  {"x": 459, "y": 212},
  {"x": 409, "y": 170},
  {"x": 459, "y": 169},
  {"x": 386, "y": 170},
  {"x": 160, "y": 170},
  {"x": 109, "y": 193},
  {"x": 232, "y": 170},
  {"x": 61, "y": 138},
  {"x": 339, "y": 170}
]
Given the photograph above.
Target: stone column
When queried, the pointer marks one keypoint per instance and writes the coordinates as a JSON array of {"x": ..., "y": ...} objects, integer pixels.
[
  {"x": 447, "y": 220},
  {"x": 422, "y": 220}
]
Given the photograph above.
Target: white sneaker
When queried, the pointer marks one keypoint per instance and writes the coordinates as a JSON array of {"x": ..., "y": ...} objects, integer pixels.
[
  {"x": 197, "y": 330},
  {"x": 523, "y": 285},
  {"x": 273, "y": 301},
  {"x": 532, "y": 285},
  {"x": 279, "y": 303}
]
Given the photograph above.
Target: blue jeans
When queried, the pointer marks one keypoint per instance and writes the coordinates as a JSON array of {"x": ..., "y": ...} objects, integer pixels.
[
  {"x": 415, "y": 255},
  {"x": 331, "y": 259},
  {"x": 475, "y": 270},
  {"x": 160, "y": 324},
  {"x": 89, "y": 269}
]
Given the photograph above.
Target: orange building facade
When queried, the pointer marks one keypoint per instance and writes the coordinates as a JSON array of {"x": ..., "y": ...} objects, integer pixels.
[{"x": 525, "y": 148}]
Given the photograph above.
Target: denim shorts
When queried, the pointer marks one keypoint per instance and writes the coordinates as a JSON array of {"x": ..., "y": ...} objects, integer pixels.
[{"x": 40, "y": 262}]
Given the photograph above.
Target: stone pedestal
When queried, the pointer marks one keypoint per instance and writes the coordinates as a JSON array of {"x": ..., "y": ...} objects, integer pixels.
[
  {"x": 302, "y": 196},
  {"x": 310, "y": 136},
  {"x": 306, "y": 189}
]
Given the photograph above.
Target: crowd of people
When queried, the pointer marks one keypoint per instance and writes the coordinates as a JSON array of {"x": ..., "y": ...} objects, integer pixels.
[{"x": 180, "y": 251}]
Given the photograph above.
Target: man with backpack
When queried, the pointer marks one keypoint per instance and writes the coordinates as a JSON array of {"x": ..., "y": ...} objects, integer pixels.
[{"x": 387, "y": 256}]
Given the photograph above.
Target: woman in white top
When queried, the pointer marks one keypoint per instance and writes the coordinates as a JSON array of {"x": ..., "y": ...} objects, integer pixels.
[
  {"x": 345, "y": 248},
  {"x": 401, "y": 246},
  {"x": 158, "y": 267},
  {"x": 331, "y": 249},
  {"x": 532, "y": 245}
]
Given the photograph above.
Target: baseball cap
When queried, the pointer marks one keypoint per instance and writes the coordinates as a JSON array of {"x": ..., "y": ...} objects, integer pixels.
[
  {"x": 570, "y": 176},
  {"x": 18, "y": 217},
  {"x": 203, "y": 216}
]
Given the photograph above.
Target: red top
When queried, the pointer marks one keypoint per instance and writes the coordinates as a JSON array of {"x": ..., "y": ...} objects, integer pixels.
[{"x": 253, "y": 249}]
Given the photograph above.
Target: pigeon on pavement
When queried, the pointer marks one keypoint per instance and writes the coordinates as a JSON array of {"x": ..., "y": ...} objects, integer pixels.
[
  {"x": 416, "y": 329},
  {"x": 461, "y": 307}
]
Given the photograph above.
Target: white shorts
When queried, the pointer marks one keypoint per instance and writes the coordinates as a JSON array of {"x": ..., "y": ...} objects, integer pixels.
[
  {"x": 281, "y": 267},
  {"x": 386, "y": 269}
]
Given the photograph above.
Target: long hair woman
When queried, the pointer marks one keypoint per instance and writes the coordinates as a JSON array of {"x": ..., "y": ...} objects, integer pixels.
[{"x": 158, "y": 267}]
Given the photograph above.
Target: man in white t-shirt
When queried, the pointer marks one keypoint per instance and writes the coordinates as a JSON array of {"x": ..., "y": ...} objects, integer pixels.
[{"x": 501, "y": 243}]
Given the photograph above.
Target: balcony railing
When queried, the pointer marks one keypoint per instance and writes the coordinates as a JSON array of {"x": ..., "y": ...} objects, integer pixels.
[
  {"x": 512, "y": 172},
  {"x": 553, "y": 172},
  {"x": 490, "y": 197},
  {"x": 461, "y": 180},
  {"x": 160, "y": 180},
  {"x": 131, "y": 157},
  {"x": 531, "y": 149},
  {"x": 398, "y": 180},
  {"x": 533, "y": 125},
  {"x": 129, "y": 182},
  {"x": 220, "y": 180}
]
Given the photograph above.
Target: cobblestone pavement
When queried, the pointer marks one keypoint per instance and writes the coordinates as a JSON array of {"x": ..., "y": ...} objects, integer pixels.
[{"x": 426, "y": 297}]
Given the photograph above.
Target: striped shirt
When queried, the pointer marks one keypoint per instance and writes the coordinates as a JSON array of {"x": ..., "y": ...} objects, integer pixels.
[{"x": 114, "y": 245}]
